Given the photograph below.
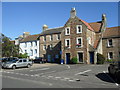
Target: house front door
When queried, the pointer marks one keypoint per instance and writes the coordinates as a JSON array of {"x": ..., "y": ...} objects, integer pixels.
[{"x": 67, "y": 58}]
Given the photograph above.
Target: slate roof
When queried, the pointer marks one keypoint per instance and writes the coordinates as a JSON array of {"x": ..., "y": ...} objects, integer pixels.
[
  {"x": 52, "y": 31},
  {"x": 96, "y": 25},
  {"x": 30, "y": 38},
  {"x": 112, "y": 32}
]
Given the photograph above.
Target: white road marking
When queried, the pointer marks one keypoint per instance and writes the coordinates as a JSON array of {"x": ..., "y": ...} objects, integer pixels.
[
  {"x": 57, "y": 77},
  {"x": 66, "y": 78},
  {"x": 71, "y": 80},
  {"x": 40, "y": 69},
  {"x": 83, "y": 72},
  {"x": 50, "y": 76},
  {"x": 111, "y": 78}
]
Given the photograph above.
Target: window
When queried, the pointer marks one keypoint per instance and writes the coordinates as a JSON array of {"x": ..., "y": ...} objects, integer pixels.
[
  {"x": 44, "y": 47},
  {"x": 35, "y": 51},
  {"x": 110, "y": 55},
  {"x": 31, "y": 52},
  {"x": 25, "y": 51},
  {"x": 44, "y": 38},
  {"x": 110, "y": 43},
  {"x": 51, "y": 46},
  {"x": 58, "y": 36},
  {"x": 51, "y": 37},
  {"x": 31, "y": 44},
  {"x": 67, "y": 43},
  {"x": 35, "y": 43},
  {"x": 67, "y": 31},
  {"x": 24, "y": 60},
  {"x": 79, "y": 42},
  {"x": 25, "y": 44},
  {"x": 79, "y": 28}
]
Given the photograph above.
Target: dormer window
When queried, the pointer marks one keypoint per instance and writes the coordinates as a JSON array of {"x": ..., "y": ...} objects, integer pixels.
[
  {"x": 51, "y": 37},
  {"x": 67, "y": 31},
  {"x": 44, "y": 38},
  {"x": 79, "y": 28},
  {"x": 110, "y": 43}
]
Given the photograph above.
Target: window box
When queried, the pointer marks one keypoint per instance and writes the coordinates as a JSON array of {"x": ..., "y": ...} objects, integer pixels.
[{"x": 78, "y": 45}]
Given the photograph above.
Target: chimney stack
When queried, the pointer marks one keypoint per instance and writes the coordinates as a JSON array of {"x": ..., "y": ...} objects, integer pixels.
[
  {"x": 25, "y": 34},
  {"x": 45, "y": 27},
  {"x": 73, "y": 13}
]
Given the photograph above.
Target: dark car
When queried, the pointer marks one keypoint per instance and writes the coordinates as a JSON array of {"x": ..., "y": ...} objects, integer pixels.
[
  {"x": 114, "y": 70},
  {"x": 39, "y": 60}
]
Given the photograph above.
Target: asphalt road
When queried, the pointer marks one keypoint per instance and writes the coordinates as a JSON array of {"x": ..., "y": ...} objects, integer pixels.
[{"x": 59, "y": 76}]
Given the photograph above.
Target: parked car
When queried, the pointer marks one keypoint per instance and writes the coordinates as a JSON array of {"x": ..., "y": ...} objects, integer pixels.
[
  {"x": 114, "y": 70},
  {"x": 17, "y": 63},
  {"x": 39, "y": 60}
]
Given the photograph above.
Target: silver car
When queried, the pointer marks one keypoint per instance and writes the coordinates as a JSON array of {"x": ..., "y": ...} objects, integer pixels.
[{"x": 17, "y": 63}]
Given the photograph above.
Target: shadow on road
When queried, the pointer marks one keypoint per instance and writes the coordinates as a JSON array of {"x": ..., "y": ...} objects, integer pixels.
[{"x": 104, "y": 77}]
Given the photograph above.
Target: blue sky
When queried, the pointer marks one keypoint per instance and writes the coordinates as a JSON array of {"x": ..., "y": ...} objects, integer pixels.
[{"x": 19, "y": 17}]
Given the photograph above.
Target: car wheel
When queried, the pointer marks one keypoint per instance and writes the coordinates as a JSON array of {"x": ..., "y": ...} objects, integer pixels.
[
  {"x": 28, "y": 65},
  {"x": 13, "y": 67}
]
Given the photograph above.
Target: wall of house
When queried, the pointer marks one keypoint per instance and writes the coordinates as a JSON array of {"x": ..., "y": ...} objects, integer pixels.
[
  {"x": 115, "y": 49},
  {"x": 50, "y": 54},
  {"x": 73, "y": 50},
  {"x": 28, "y": 47}
]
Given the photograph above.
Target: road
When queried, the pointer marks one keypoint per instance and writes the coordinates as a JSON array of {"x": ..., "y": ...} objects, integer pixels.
[{"x": 59, "y": 76}]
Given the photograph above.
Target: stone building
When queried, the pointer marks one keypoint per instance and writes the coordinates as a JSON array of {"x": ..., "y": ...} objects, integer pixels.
[
  {"x": 76, "y": 38},
  {"x": 81, "y": 39},
  {"x": 50, "y": 43},
  {"x": 111, "y": 43}
]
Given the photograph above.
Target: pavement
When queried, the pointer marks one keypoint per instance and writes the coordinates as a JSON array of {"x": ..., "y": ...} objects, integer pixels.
[{"x": 59, "y": 76}]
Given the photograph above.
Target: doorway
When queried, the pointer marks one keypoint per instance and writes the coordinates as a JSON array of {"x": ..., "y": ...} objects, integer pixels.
[{"x": 67, "y": 58}]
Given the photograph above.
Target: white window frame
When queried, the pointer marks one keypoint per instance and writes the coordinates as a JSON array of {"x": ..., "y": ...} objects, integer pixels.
[
  {"x": 35, "y": 51},
  {"x": 44, "y": 38},
  {"x": 25, "y": 44},
  {"x": 35, "y": 43},
  {"x": 58, "y": 35},
  {"x": 78, "y": 29},
  {"x": 109, "y": 55},
  {"x": 108, "y": 43},
  {"x": 44, "y": 47},
  {"x": 51, "y": 37},
  {"x": 66, "y": 31},
  {"x": 66, "y": 43},
  {"x": 78, "y": 42},
  {"x": 31, "y": 52}
]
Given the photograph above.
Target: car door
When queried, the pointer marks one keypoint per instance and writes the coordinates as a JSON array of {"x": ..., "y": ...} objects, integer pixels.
[
  {"x": 24, "y": 62},
  {"x": 19, "y": 63}
]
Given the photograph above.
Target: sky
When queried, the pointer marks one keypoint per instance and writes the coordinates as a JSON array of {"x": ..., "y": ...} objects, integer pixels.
[{"x": 19, "y": 17}]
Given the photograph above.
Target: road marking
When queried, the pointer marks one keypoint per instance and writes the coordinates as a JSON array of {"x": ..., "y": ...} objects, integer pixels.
[
  {"x": 111, "y": 78},
  {"x": 57, "y": 77},
  {"x": 66, "y": 78},
  {"x": 50, "y": 76},
  {"x": 40, "y": 69},
  {"x": 71, "y": 80},
  {"x": 68, "y": 66},
  {"x": 83, "y": 72}
]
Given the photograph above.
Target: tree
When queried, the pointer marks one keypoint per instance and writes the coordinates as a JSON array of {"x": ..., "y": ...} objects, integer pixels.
[
  {"x": 25, "y": 55},
  {"x": 100, "y": 58},
  {"x": 8, "y": 48}
]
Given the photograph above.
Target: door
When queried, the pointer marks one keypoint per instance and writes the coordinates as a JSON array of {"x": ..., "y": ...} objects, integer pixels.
[
  {"x": 92, "y": 57},
  {"x": 67, "y": 58},
  {"x": 80, "y": 56}
]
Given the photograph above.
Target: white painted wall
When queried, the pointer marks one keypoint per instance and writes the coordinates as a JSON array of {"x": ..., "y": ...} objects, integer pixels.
[{"x": 28, "y": 48}]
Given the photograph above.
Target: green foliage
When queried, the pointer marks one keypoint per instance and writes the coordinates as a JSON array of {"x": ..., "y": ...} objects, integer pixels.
[
  {"x": 100, "y": 58},
  {"x": 74, "y": 60},
  {"x": 9, "y": 48},
  {"x": 25, "y": 55}
]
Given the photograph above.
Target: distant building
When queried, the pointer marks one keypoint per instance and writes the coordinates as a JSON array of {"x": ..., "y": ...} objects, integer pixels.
[
  {"x": 30, "y": 45},
  {"x": 111, "y": 43},
  {"x": 50, "y": 43}
]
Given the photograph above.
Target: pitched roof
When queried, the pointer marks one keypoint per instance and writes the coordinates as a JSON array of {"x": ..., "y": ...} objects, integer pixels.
[
  {"x": 112, "y": 32},
  {"x": 30, "y": 38},
  {"x": 96, "y": 25},
  {"x": 89, "y": 27},
  {"x": 52, "y": 31}
]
